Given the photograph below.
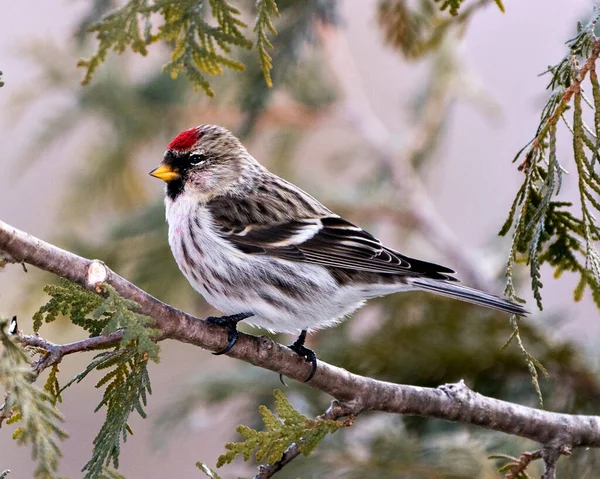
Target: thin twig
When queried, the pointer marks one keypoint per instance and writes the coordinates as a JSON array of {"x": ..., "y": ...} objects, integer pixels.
[
  {"x": 575, "y": 86},
  {"x": 516, "y": 468},
  {"x": 55, "y": 352}
]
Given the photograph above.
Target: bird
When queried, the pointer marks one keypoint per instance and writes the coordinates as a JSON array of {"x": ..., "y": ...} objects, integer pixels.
[{"x": 260, "y": 249}]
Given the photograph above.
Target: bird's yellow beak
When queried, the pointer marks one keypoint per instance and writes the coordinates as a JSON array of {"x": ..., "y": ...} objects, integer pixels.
[{"x": 165, "y": 173}]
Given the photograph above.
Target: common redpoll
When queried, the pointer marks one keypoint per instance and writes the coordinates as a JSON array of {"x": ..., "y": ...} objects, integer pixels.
[{"x": 259, "y": 248}]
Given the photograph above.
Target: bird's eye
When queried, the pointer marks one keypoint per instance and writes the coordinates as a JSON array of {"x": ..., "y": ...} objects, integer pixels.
[{"x": 197, "y": 159}]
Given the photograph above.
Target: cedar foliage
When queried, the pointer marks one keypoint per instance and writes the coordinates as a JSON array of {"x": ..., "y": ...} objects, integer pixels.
[
  {"x": 419, "y": 28},
  {"x": 284, "y": 427},
  {"x": 31, "y": 408},
  {"x": 198, "y": 48},
  {"x": 547, "y": 230},
  {"x": 126, "y": 381}
]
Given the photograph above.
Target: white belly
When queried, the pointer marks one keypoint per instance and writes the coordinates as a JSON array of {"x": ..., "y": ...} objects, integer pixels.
[{"x": 283, "y": 296}]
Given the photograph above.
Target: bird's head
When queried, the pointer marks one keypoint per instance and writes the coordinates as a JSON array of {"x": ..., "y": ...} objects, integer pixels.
[{"x": 205, "y": 161}]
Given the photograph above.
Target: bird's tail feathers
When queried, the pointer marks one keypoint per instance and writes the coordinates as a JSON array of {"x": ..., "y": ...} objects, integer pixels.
[{"x": 470, "y": 295}]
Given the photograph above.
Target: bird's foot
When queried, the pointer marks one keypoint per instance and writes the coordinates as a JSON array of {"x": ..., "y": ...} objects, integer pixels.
[
  {"x": 229, "y": 322},
  {"x": 307, "y": 354}
]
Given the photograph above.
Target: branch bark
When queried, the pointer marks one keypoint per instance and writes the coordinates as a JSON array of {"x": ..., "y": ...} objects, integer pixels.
[
  {"x": 354, "y": 393},
  {"x": 55, "y": 352}
]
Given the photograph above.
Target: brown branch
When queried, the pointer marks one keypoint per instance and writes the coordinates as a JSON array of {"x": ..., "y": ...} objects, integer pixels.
[
  {"x": 451, "y": 402},
  {"x": 551, "y": 455},
  {"x": 53, "y": 353}
]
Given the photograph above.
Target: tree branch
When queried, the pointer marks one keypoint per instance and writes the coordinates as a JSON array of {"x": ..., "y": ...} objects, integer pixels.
[
  {"x": 55, "y": 352},
  {"x": 355, "y": 394},
  {"x": 551, "y": 455}
]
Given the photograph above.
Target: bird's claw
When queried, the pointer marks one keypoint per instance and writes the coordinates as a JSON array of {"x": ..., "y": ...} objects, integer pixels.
[
  {"x": 229, "y": 322},
  {"x": 307, "y": 354},
  {"x": 232, "y": 337}
]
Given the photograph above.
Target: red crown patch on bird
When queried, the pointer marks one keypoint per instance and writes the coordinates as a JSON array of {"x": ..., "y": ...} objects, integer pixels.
[{"x": 184, "y": 141}]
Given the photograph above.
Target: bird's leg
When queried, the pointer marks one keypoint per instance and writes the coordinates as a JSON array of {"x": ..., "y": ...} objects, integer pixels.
[
  {"x": 307, "y": 354},
  {"x": 229, "y": 322}
]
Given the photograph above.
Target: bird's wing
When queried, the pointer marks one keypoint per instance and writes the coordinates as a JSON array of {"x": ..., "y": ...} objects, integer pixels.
[{"x": 327, "y": 240}]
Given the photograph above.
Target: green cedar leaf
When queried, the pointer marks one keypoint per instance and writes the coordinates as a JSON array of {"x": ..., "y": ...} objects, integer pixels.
[
  {"x": 284, "y": 428},
  {"x": 29, "y": 406}
]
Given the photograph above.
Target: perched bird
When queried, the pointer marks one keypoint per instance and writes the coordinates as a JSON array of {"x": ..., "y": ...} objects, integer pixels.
[{"x": 259, "y": 248}]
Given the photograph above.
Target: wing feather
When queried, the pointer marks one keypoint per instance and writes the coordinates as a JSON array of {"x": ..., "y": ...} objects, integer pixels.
[
  {"x": 332, "y": 246},
  {"x": 298, "y": 228}
]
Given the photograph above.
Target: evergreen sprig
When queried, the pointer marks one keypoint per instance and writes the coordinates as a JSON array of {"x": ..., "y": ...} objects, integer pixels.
[
  {"x": 32, "y": 408},
  {"x": 127, "y": 383},
  {"x": 127, "y": 388},
  {"x": 100, "y": 316},
  {"x": 548, "y": 231},
  {"x": 51, "y": 386},
  {"x": 418, "y": 28},
  {"x": 197, "y": 46},
  {"x": 70, "y": 299},
  {"x": 533, "y": 364},
  {"x": 453, "y": 6},
  {"x": 265, "y": 10},
  {"x": 138, "y": 328},
  {"x": 1, "y": 85},
  {"x": 284, "y": 428}
]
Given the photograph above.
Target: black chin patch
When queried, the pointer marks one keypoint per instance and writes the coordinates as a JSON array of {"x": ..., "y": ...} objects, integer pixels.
[
  {"x": 180, "y": 163},
  {"x": 174, "y": 188}
]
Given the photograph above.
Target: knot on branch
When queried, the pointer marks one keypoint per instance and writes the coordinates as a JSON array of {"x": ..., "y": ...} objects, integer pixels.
[
  {"x": 266, "y": 343},
  {"x": 97, "y": 273},
  {"x": 339, "y": 409},
  {"x": 459, "y": 391},
  {"x": 6, "y": 258}
]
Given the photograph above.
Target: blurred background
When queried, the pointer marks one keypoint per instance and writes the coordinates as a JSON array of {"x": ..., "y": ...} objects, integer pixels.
[{"x": 396, "y": 116}]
